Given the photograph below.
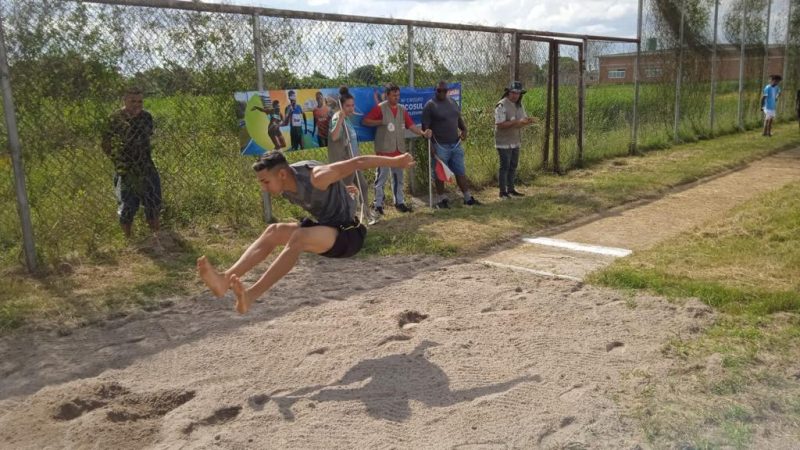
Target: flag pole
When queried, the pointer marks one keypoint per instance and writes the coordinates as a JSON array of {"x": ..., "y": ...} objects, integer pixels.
[{"x": 430, "y": 176}]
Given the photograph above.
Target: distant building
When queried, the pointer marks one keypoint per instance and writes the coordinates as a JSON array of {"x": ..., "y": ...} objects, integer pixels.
[{"x": 655, "y": 64}]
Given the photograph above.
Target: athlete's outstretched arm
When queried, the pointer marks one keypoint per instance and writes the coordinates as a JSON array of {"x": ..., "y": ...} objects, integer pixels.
[{"x": 325, "y": 175}]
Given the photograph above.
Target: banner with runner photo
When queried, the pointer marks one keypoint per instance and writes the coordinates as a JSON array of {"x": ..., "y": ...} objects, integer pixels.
[{"x": 297, "y": 119}]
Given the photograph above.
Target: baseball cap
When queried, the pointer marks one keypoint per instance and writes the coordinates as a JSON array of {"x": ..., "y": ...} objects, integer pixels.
[{"x": 516, "y": 86}]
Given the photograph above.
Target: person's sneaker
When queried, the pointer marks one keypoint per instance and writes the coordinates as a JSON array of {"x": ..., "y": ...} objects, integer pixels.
[
  {"x": 378, "y": 209},
  {"x": 504, "y": 196},
  {"x": 403, "y": 208},
  {"x": 516, "y": 193},
  {"x": 471, "y": 202},
  {"x": 444, "y": 204}
]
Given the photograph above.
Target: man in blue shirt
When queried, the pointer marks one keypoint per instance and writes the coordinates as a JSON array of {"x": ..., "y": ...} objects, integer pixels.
[
  {"x": 296, "y": 118},
  {"x": 769, "y": 100}
]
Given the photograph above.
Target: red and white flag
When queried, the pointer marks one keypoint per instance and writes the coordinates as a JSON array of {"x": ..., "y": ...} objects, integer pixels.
[{"x": 443, "y": 173}]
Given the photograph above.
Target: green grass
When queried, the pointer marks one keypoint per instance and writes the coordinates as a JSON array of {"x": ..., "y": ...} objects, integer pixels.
[
  {"x": 750, "y": 389},
  {"x": 747, "y": 266},
  {"x": 747, "y": 263}
]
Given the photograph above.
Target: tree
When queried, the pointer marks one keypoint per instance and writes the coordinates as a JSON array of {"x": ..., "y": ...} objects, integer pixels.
[
  {"x": 69, "y": 61},
  {"x": 696, "y": 14},
  {"x": 755, "y": 22},
  {"x": 794, "y": 23},
  {"x": 367, "y": 75}
]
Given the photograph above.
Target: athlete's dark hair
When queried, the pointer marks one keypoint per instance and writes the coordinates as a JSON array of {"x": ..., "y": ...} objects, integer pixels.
[{"x": 270, "y": 161}]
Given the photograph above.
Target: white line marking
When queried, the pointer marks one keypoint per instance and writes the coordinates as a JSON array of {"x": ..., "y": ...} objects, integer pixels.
[
  {"x": 540, "y": 273},
  {"x": 588, "y": 248}
]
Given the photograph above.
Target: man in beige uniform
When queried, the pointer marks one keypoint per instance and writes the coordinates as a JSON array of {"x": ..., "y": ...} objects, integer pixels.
[
  {"x": 509, "y": 119},
  {"x": 392, "y": 119}
]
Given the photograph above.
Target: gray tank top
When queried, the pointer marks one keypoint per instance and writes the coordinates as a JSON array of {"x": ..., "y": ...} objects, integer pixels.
[{"x": 333, "y": 206}]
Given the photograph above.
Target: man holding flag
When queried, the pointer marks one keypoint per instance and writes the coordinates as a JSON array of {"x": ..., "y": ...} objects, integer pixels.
[{"x": 442, "y": 116}]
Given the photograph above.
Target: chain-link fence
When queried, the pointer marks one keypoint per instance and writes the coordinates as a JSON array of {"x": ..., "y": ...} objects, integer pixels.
[
  {"x": 705, "y": 63},
  {"x": 70, "y": 62}
]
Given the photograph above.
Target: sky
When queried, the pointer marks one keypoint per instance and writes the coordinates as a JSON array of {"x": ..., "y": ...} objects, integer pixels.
[{"x": 598, "y": 17}]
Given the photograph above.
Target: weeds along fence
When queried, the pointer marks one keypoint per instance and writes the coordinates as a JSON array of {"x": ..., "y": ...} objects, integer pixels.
[{"x": 68, "y": 62}]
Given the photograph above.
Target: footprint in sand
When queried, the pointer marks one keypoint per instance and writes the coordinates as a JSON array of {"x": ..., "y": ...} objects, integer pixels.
[
  {"x": 615, "y": 347},
  {"x": 394, "y": 338},
  {"x": 559, "y": 438},
  {"x": 319, "y": 351},
  {"x": 124, "y": 405},
  {"x": 96, "y": 397},
  {"x": 150, "y": 405},
  {"x": 220, "y": 416},
  {"x": 408, "y": 316},
  {"x": 573, "y": 393}
]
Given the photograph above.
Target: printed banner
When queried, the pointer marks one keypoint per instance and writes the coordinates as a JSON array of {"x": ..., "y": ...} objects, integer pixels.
[{"x": 297, "y": 119}]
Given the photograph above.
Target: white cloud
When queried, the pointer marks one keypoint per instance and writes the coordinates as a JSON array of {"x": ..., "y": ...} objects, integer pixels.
[{"x": 614, "y": 18}]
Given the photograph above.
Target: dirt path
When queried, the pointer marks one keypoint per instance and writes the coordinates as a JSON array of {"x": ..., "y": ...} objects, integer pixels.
[
  {"x": 403, "y": 352},
  {"x": 642, "y": 227}
]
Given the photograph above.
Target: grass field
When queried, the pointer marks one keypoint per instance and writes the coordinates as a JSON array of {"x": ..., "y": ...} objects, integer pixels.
[{"x": 742, "y": 373}]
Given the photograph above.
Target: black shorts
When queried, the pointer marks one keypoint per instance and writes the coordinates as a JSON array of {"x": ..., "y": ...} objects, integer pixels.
[{"x": 348, "y": 242}]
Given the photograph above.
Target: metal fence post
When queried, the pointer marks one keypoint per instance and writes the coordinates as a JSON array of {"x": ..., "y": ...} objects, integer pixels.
[
  {"x": 766, "y": 45},
  {"x": 23, "y": 207},
  {"x": 410, "y": 32},
  {"x": 786, "y": 54},
  {"x": 410, "y": 142},
  {"x": 265, "y": 198},
  {"x": 581, "y": 95},
  {"x": 740, "y": 106},
  {"x": 633, "y": 148},
  {"x": 712, "y": 107},
  {"x": 548, "y": 108},
  {"x": 679, "y": 75},
  {"x": 556, "y": 107}
]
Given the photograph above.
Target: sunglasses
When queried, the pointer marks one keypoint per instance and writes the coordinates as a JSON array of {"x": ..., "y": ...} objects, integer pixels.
[{"x": 441, "y": 90}]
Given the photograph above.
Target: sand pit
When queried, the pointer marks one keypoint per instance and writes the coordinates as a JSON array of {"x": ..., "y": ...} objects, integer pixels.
[
  {"x": 400, "y": 352},
  {"x": 371, "y": 353}
]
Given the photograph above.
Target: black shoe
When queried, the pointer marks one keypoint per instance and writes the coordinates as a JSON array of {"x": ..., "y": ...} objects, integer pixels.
[
  {"x": 444, "y": 204},
  {"x": 403, "y": 208},
  {"x": 504, "y": 196},
  {"x": 379, "y": 209},
  {"x": 515, "y": 193},
  {"x": 472, "y": 202}
]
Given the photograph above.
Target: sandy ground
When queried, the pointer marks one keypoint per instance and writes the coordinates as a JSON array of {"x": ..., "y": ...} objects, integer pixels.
[
  {"x": 372, "y": 353},
  {"x": 401, "y": 352}
]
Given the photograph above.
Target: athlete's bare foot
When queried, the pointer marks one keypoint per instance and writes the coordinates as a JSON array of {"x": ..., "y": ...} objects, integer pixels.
[
  {"x": 243, "y": 302},
  {"x": 213, "y": 279}
]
